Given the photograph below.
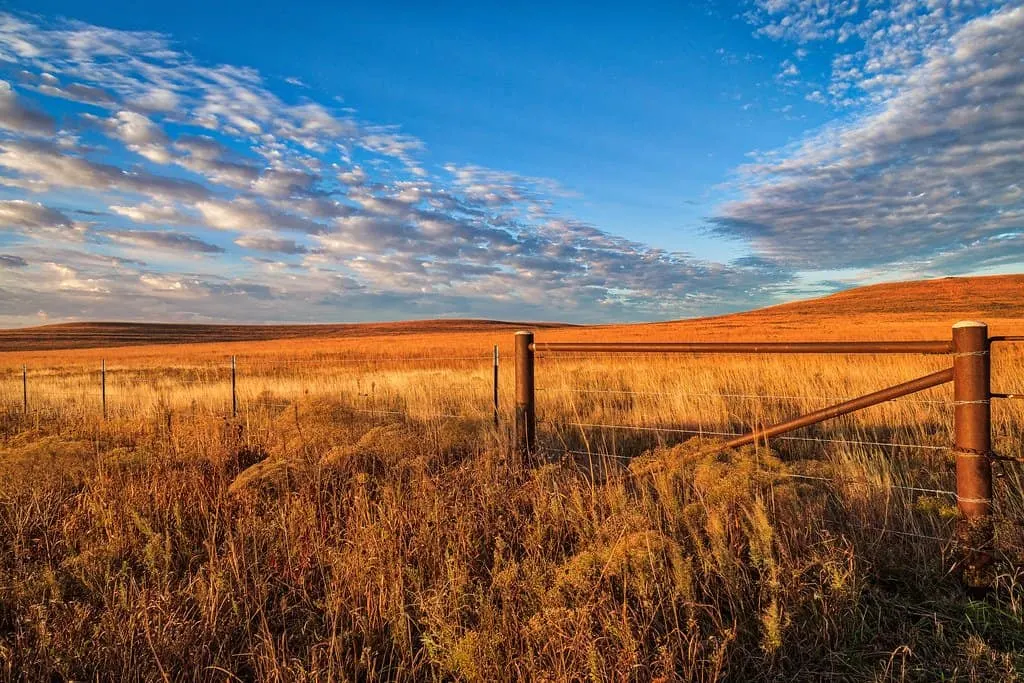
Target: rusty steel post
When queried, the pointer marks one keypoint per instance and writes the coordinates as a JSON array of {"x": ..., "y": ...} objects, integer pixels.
[
  {"x": 972, "y": 447},
  {"x": 234, "y": 395},
  {"x": 495, "y": 397},
  {"x": 526, "y": 407},
  {"x": 103, "y": 386},
  {"x": 24, "y": 389}
]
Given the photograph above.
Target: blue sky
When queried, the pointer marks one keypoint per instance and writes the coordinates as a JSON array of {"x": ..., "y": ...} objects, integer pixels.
[{"x": 271, "y": 162}]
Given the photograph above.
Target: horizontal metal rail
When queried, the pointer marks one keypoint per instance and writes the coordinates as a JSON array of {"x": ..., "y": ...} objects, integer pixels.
[
  {"x": 868, "y": 400},
  {"x": 929, "y": 347},
  {"x": 1006, "y": 338}
]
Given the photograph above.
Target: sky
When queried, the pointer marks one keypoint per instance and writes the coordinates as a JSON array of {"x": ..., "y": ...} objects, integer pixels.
[{"x": 333, "y": 162}]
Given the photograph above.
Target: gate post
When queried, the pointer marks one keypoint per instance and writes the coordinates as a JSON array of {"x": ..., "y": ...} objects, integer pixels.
[
  {"x": 494, "y": 397},
  {"x": 526, "y": 407},
  {"x": 972, "y": 441}
]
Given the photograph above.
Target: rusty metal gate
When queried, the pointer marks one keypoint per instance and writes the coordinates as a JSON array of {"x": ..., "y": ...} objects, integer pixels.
[{"x": 970, "y": 374}]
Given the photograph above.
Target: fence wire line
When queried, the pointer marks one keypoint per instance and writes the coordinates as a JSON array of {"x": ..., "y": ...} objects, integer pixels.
[
  {"x": 857, "y": 480},
  {"x": 364, "y": 410},
  {"x": 744, "y": 396},
  {"x": 906, "y": 534},
  {"x": 708, "y": 432},
  {"x": 910, "y": 534},
  {"x": 251, "y": 361},
  {"x": 791, "y": 475}
]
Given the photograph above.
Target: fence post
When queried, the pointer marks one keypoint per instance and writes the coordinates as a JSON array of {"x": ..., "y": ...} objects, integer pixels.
[
  {"x": 972, "y": 436},
  {"x": 495, "y": 385},
  {"x": 24, "y": 389},
  {"x": 103, "y": 385},
  {"x": 526, "y": 413},
  {"x": 234, "y": 395}
]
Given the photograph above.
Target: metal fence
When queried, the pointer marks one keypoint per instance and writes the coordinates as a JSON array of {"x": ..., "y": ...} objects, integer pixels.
[
  {"x": 233, "y": 372},
  {"x": 970, "y": 374}
]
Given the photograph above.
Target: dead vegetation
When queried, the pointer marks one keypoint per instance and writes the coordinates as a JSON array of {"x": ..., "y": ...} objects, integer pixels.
[
  {"x": 311, "y": 540},
  {"x": 308, "y": 541}
]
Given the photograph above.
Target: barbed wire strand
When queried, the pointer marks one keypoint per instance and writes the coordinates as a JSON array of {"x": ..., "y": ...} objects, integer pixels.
[
  {"x": 366, "y": 361},
  {"x": 910, "y": 534},
  {"x": 369, "y": 411},
  {"x": 708, "y": 432},
  {"x": 791, "y": 475}
]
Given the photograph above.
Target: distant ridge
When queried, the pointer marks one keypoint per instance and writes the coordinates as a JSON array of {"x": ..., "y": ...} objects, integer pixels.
[
  {"x": 900, "y": 310},
  {"x": 108, "y": 334},
  {"x": 1000, "y": 296}
]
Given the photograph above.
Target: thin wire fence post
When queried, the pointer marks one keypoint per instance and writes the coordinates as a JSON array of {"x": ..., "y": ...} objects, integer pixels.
[
  {"x": 972, "y": 444},
  {"x": 495, "y": 397},
  {"x": 103, "y": 386},
  {"x": 526, "y": 407},
  {"x": 234, "y": 395},
  {"x": 24, "y": 389}
]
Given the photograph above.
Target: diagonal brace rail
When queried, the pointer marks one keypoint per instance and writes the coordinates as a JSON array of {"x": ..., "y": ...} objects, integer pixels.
[{"x": 906, "y": 388}]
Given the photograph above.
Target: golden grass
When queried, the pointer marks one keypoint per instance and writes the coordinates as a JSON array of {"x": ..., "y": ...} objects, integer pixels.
[{"x": 308, "y": 540}]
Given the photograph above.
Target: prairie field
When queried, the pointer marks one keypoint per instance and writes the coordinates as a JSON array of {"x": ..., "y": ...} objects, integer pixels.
[{"x": 363, "y": 517}]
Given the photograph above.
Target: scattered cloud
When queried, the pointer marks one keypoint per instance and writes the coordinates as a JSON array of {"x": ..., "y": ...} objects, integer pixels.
[
  {"x": 932, "y": 174},
  {"x": 154, "y": 214},
  {"x": 140, "y": 135},
  {"x": 246, "y": 215},
  {"x": 17, "y": 116},
  {"x": 271, "y": 244},
  {"x": 352, "y": 206},
  {"x": 18, "y": 214},
  {"x": 40, "y": 166},
  {"x": 166, "y": 239},
  {"x": 787, "y": 71},
  {"x": 876, "y": 44},
  {"x": 12, "y": 261}
]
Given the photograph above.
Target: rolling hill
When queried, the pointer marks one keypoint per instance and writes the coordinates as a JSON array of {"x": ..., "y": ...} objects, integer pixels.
[
  {"x": 903, "y": 310},
  {"x": 116, "y": 334}
]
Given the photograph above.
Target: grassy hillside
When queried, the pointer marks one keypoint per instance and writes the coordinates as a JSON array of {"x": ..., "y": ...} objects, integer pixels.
[{"x": 902, "y": 310}]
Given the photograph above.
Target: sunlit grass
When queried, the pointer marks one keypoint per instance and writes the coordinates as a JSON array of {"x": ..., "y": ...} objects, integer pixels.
[{"x": 364, "y": 520}]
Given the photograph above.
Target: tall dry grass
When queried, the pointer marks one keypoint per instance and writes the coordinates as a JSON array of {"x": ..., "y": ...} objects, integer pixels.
[{"x": 346, "y": 527}]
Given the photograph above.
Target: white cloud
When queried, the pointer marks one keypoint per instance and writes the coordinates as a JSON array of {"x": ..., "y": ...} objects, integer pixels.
[
  {"x": 24, "y": 215},
  {"x": 152, "y": 214},
  {"x": 247, "y": 215},
  {"x": 67, "y": 279},
  {"x": 788, "y": 70},
  {"x": 140, "y": 135},
  {"x": 165, "y": 240},
  {"x": 270, "y": 244},
  {"x": 17, "y": 116},
  {"x": 39, "y": 166}
]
